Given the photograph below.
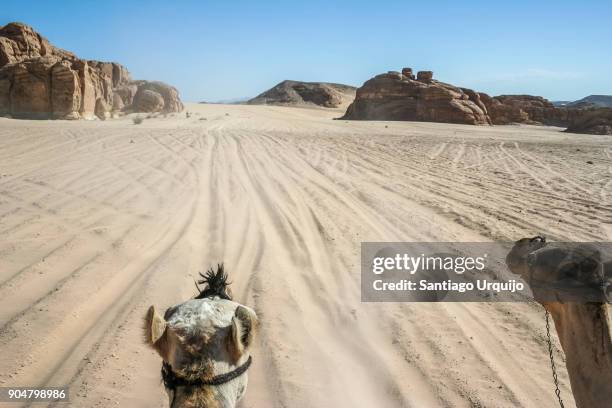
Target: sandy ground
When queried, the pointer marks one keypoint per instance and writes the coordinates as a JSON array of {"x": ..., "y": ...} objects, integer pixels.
[{"x": 98, "y": 220}]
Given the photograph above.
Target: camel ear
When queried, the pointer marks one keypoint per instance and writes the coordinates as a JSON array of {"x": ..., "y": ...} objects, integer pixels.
[
  {"x": 242, "y": 331},
  {"x": 155, "y": 332}
]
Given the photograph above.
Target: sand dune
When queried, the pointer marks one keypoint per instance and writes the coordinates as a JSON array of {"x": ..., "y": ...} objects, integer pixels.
[{"x": 98, "y": 220}]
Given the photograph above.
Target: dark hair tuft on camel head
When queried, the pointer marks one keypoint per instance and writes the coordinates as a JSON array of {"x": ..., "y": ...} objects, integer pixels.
[{"x": 216, "y": 284}]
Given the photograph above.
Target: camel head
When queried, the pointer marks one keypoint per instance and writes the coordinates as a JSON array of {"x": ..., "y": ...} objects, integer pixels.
[
  {"x": 205, "y": 346},
  {"x": 572, "y": 282},
  {"x": 519, "y": 254},
  {"x": 570, "y": 272}
]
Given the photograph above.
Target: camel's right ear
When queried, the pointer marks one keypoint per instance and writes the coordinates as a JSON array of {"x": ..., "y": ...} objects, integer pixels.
[
  {"x": 242, "y": 331},
  {"x": 155, "y": 332}
]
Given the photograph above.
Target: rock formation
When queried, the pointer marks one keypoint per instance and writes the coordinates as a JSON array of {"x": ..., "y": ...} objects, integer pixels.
[
  {"x": 170, "y": 101},
  {"x": 425, "y": 76},
  {"x": 506, "y": 109},
  {"x": 594, "y": 121},
  {"x": 401, "y": 96},
  {"x": 295, "y": 93},
  {"x": 407, "y": 72},
  {"x": 398, "y": 96},
  {"x": 40, "y": 81}
]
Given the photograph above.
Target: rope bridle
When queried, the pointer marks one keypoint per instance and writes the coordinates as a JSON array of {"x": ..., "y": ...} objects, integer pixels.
[{"x": 172, "y": 381}]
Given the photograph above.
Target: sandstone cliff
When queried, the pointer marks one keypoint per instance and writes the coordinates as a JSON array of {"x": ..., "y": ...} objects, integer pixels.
[
  {"x": 295, "y": 93},
  {"x": 40, "y": 81}
]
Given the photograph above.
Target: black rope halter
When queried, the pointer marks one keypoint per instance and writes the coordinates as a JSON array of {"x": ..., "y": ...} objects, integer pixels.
[{"x": 173, "y": 381}]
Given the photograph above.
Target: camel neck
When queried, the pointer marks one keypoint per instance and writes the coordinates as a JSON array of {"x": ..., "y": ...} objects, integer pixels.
[{"x": 585, "y": 334}]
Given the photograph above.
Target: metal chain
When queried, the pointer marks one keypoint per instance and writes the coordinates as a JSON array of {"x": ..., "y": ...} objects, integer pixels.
[{"x": 552, "y": 359}]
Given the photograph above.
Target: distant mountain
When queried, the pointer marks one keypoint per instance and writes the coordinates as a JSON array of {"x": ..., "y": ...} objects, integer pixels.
[
  {"x": 591, "y": 101},
  {"x": 231, "y": 101},
  {"x": 297, "y": 93}
]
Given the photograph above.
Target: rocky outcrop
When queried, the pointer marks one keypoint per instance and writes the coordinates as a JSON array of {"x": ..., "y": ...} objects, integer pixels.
[
  {"x": 169, "y": 102},
  {"x": 116, "y": 72},
  {"x": 528, "y": 109},
  {"x": 407, "y": 72},
  {"x": 66, "y": 94},
  {"x": 19, "y": 42},
  {"x": 520, "y": 108},
  {"x": 124, "y": 94},
  {"x": 148, "y": 101},
  {"x": 29, "y": 86},
  {"x": 101, "y": 109},
  {"x": 295, "y": 93},
  {"x": 40, "y": 81},
  {"x": 507, "y": 109},
  {"x": 425, "y": 76},
  {"x": 398, "y": 96},
  {"x": 402, "y": 96},
  {"x": 597, "y": 121}
]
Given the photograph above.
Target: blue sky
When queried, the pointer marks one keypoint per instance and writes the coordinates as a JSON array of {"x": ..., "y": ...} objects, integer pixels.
[{"x": 230, "y": 49}]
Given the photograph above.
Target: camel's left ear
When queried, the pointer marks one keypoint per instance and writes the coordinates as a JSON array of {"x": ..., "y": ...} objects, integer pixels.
[
  {"x": 242, "y": 331},
  {"x": 155, "y": 332}
]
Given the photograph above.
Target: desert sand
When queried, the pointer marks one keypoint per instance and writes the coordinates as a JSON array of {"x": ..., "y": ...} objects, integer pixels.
[{"x": 99, "y": 220}]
